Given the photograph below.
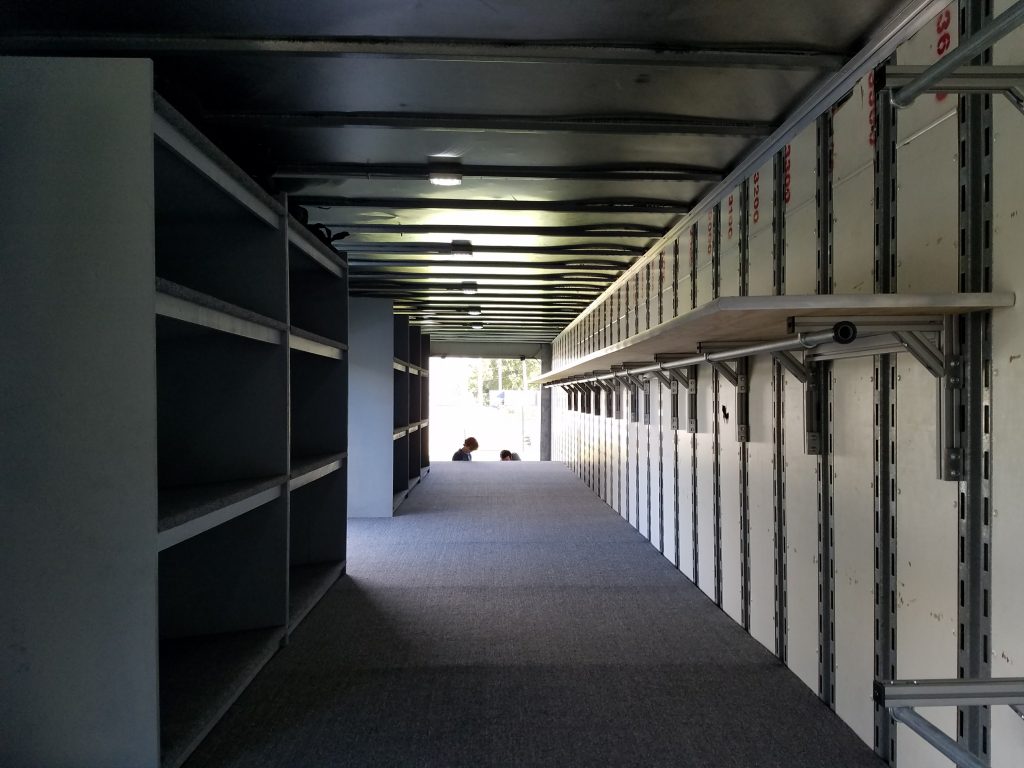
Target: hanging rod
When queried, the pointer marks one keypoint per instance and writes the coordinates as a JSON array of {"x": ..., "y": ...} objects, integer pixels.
[{"x": 843, "y": 332}]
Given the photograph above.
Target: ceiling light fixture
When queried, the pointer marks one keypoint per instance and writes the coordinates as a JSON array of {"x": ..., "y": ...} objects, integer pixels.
[
  {"x": 477, "y": 327},
  {"x": 474, "y": 311},
  {"x": 462, "y": 248},
  {"x": 444, "y": 178},
  {"x": 469, "y": 287}
]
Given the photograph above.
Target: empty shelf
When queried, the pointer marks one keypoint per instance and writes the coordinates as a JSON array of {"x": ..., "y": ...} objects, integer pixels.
[
  {"x": 307, "y": 584},
  {"x": 187, "y": 511},
  {"x": 309, "y": 469},
  {"x": 766, "y": 318},
  {"x": 200, "y": 677},
  {"x": 186, "y": 305},
  {"x": 314, "y": 344}
]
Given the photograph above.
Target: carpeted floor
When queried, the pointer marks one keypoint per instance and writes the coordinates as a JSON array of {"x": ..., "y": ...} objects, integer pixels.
[{"x": 508, "y": 617}]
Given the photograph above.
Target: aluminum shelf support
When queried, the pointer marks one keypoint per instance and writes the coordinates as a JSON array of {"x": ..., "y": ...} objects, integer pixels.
[
  {"x": 951, "y": 692},
  {"x": 902, "y": 696},
  {"x": 937, "y": 738},
  {"x": 788, "y": 361},
  {"x": 965, "y": 51}
]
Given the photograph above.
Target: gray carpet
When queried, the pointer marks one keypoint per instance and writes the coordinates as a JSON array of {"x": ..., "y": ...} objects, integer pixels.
[{"x": 507, "y": 617}]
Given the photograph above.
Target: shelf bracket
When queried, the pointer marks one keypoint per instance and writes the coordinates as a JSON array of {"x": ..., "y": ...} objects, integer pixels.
[
  {"x": 666, "y": 380},
  {"x": 788, "y": 361},
  {"x": 901, "y": 697},
  {"x": 691, "y": 400}
]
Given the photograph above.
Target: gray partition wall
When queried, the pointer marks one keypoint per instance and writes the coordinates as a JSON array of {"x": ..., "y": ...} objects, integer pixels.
[{"x": 79, "y": 634}]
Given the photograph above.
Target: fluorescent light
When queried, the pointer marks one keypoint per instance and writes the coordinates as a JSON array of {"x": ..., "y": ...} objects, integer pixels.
[
  {"x": 474, "y": 311},
  {"x": 469, "y": 287},
  {"x": 477, "y": 327},
  {"x": 445, "y": 178}
]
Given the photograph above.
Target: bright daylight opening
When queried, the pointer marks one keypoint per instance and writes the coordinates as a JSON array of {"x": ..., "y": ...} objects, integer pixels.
[{"x": 490, "y": 400}]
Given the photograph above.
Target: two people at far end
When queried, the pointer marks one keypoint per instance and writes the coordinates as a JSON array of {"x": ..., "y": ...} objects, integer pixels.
[
  {"x": 508, "y": 455},
  {"x": 465, "y": 453}
]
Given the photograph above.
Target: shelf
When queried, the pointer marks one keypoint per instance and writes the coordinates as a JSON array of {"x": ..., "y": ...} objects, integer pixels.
[
  {"x": 175, "y": 133},
  {"x": 320, "y": 253},
  {"x": 190, "y": 510},
  {"x": 400, "y": 366},
  {"x": 314, "y": 344},
  {"x": 307, "y": 584},
  {"x": 766, "y": 318},
  {"x": 397, "y": 499},
  {"x": 308, "y": 470},
  {"x": 200, "y": 678},
  {"x": 176, "y": 302},
  {"x": 399, "y": 432}
]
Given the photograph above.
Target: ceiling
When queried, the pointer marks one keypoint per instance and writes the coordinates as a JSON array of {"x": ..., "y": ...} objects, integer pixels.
[{"x": 582, "y": 130}]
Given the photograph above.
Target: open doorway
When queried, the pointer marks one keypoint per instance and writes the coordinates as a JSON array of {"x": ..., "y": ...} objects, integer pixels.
[{"x": 490, "y": 399}]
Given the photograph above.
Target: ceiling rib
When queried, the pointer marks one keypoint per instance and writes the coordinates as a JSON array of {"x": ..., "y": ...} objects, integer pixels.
[
  {"x": 440, "y": 49},
  {"x": 642, "y": 231},
  {"x": 444, "y": 249},
  {"x": 647, "y": 172},
  {"x": 609, "y": 124},
  {"x": 599, "y": 205}
]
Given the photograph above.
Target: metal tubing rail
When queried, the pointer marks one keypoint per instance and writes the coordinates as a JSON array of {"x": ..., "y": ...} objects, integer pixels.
[
  {"x": 950, "y": 693},
  {"x": 843, "y": 332},
  {"x": 937, "y": 738},
  {"x": 967, "y": 50}
]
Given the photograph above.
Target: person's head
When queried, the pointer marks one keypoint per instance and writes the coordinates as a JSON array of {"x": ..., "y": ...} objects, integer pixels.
[
  {"x": 506, "y": 455},
  {"x": 470, "y": 445}
]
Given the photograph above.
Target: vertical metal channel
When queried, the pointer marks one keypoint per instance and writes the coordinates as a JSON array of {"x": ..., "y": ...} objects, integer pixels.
[
  {"x": 778, "y": 408},
  {"x": 691, "y": 413},
  {"x": 716, "y": 388},
  {"x": 974, "y": 619},
  {"x": 675, "y": 429},
  {"x": 661, "y": 415},
  {"x": 885, "y": 422},
  {"x": 826, "y": 515},
  {"x": 744, "y": 479}
]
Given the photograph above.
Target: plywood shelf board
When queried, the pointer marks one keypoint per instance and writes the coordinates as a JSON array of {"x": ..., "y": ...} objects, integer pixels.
[
  {"x": 200, "y": 678},
  {"x": 315, "y": 344},
  {"x": 310, "y": 469},
  {"x": 187, "y": 511},
  {"x": 307, "y": 584},
  {"x": 766, "y": 318},
  {"x": 177, "y": 302}
]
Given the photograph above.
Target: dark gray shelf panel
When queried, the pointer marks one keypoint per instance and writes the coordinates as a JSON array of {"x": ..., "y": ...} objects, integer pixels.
[
  {"x": 200, "y": 677},
  {"x": 177, "y": 135},
  {"x": 315, "y": 344},
  {"x": 190, "y": 510},
  {"x": 306, "y": 470},
  {"x": 177, "y": 302},
  {"x": 307, "y": 584},
  {"x": 317, "y": 252}
]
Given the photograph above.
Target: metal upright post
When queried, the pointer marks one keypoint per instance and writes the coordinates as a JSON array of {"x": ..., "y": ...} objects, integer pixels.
[
  {"x": 823, "y": 385},
  {"x": 975, "y": 342},
  {"x": 885, "y": 426},
  {"x": 743, "y": 418},
  {"x": 716, "y": 396},
  {"x": 779, "y": 400}
]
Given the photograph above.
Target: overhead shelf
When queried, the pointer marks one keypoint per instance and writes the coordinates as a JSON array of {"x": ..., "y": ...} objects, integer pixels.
[{"x": 767, "y": 318}]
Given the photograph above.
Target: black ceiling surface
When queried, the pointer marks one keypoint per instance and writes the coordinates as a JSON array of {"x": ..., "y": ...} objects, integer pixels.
[{"x": 582, "y": 129}]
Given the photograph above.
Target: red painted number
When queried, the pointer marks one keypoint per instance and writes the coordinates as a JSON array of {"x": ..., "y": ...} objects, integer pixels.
[
  {"x": 942, "y": 44},
  {"x": 756, "y": 204},
  {"x": 872, "y": 111}
]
